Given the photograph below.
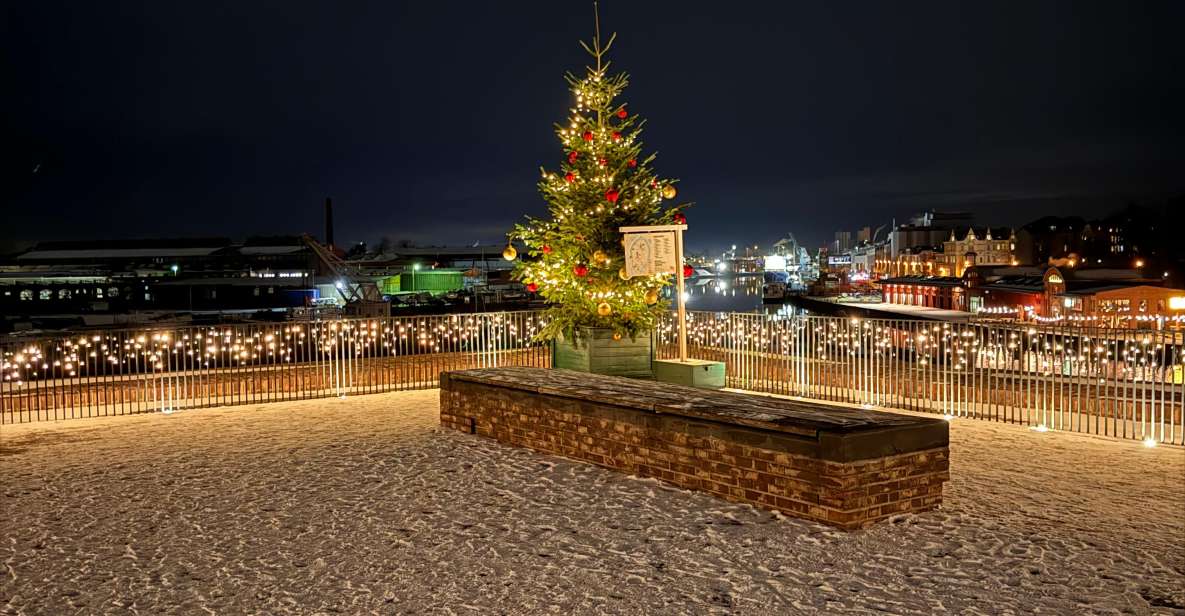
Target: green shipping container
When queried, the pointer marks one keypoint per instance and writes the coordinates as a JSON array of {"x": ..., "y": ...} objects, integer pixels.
[{"x": 432, "y": 281}]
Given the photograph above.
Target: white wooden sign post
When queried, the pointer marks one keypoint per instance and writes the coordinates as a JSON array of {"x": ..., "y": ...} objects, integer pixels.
[{"x": 655, "y": 250}]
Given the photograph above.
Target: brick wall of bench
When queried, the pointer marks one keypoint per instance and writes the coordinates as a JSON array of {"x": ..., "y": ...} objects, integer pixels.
[{"x": 733, "y": 462}]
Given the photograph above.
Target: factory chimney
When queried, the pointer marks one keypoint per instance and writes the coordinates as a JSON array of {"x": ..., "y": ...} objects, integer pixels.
[{"x": 329, "y": 223}]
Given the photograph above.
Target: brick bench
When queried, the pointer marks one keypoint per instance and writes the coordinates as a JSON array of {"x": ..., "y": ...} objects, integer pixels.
[{"x": 847, "y": 467}]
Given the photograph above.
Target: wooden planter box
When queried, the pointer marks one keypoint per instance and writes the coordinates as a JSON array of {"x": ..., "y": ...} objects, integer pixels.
[
  {"x": 692, "y": 373},
  {"x": 594, "y": 350}
]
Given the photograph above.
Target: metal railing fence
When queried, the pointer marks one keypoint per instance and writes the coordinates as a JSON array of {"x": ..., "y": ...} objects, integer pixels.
[
  {"x": 121, "y": 372},
  {"x": 1123, "y": 383}
]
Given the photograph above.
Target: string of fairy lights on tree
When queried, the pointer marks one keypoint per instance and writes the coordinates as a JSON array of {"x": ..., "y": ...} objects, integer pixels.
[{"x": 605, "y": 181}]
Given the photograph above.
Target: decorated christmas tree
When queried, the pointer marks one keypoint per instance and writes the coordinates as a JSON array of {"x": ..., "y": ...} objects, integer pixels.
[{"x": 604, "y": 182}]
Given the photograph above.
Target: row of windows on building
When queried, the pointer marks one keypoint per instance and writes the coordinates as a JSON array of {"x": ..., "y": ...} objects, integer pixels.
[
  {"x": 27, "y": 295},
  {"x": 1125, "y": 305}
]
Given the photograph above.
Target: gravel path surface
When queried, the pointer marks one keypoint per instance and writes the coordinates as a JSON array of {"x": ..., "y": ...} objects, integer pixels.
[{"x": 363, "y": 505}]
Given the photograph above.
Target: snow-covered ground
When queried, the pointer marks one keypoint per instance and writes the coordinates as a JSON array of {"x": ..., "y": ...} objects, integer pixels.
[
  {"x": 363, "y": 506},
  {"x": 917, "y": 311}
]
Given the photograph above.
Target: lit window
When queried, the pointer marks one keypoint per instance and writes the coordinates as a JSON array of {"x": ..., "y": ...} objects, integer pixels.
[
  {"x": 45, "y": 294},
  {"x": 26, "y": 295},
  {"x": 64, "y": 294}
]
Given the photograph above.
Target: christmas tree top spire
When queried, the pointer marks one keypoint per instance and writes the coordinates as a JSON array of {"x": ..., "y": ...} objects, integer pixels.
[{"x": 604, "y": 182}]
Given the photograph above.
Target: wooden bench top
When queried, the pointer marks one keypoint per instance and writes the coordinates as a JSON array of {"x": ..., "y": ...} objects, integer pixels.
[{"x": 793, "y": 417}]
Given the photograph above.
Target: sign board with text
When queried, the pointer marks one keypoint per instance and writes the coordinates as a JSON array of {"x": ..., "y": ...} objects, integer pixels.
[
  {"x": 658, "y": 249},
  {"x": 648, "y": 254}
]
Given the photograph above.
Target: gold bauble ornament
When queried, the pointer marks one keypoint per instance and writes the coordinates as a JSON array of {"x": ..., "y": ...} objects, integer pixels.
[
  {"x": 651, "y": 297},
  {"x": 669, "y": 191},
  {"x": 604, "y": 309},
  {"x": 600, "y": 258},
  {"x": 510, "y": 253},
  {"x": 622, "y": 275}
]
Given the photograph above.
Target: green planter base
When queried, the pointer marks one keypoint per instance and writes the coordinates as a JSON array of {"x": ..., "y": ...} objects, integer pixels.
[
  {"x": 693, "y": 372},
  {"x": 594, "y": 350}
]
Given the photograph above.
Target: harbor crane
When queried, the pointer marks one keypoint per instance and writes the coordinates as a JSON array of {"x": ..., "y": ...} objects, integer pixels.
[{"x": 360, "y": 293}]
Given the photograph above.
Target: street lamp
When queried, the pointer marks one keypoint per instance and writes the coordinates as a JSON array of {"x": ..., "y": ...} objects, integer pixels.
[{"x": 414, "y": 268}]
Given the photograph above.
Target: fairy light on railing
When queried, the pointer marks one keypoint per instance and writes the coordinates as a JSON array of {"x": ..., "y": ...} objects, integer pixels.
[
  {"x": 968, "y": 361},
  {"x": 952, "y": 356},
  {"x": 161, "y": 352}
]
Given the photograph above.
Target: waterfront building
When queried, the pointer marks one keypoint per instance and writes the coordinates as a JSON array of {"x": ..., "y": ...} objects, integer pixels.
[
  {"x": 927, "y": 229},
  {"x": 863, "y": 262},
  {"x": 915, "y": 261},
  {"x": 944, "y": 292},
  {"x": 986, "y": 246},
  {"x": 95, "y": 279},
  {"x": 1052, "y": 238},
  {"x": 842, "y": 243},
  {"x": 1117, "y": 297}
]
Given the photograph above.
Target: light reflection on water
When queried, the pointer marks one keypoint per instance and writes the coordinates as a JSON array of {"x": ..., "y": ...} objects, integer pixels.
[{"x": 730, "y": 294}]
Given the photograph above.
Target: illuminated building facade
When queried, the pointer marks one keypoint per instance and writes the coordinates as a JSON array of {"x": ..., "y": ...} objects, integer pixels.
[{"x": 984, "y": 247}]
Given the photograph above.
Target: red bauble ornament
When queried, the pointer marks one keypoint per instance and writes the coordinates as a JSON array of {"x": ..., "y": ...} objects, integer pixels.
[
  {"x": 580, "y": 269},
  {"x": 687, "y": 271},
  {"x": 680, "y": 219},
  {"x": 611, "y": 196},
  {"x": 603, "y": 162},
  {"x": 621, "y": 113},
  {"x": 588, "y": 135},
  {"x": 532, "y": 287},
  {"x": 546, "y": 249},
  {"x": 616, "y": 136},
  {"x": 572, "y": 156},
  {"x": 632, "y": 163},
  {"x": 570, "y": 177}
]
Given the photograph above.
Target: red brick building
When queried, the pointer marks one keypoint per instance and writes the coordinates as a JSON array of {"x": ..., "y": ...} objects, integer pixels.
[
  {"x": 945, "y": 292},
  {"x": 1118, "y": 297}
]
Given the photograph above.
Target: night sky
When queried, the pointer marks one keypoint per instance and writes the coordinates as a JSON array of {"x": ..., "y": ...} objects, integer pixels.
[{"x": 428, "y": 121}]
